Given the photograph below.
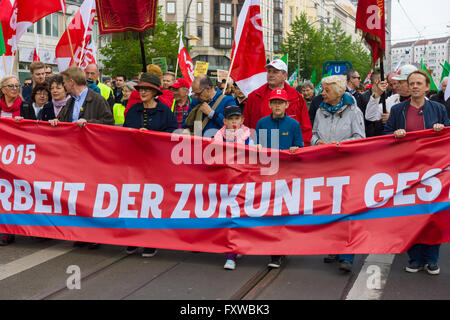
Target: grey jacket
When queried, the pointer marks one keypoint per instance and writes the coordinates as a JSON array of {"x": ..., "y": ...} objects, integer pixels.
[{"x": 346, "y": 124}]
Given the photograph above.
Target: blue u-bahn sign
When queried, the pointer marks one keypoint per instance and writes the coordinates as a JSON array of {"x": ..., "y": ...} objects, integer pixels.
[{"x": 336, "y": 67}]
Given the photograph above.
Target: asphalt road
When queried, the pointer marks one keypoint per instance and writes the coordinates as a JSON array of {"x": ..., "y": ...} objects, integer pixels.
[{"x": 39, "y": 269}]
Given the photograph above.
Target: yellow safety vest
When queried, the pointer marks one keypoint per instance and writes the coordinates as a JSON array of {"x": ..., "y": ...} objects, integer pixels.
[{"x": 105, "y": 91}]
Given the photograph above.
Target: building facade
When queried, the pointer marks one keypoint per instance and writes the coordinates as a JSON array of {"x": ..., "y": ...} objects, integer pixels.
[{"x": 434, "y": 52}]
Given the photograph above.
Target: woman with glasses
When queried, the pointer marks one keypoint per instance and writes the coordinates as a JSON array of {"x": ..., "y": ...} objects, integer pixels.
[
  {"x": 10, "y": 104},
  {"x": 119, "y": 108},
  {"x": 39, "y": 97},
  {"x": 10, "y": 99},
  {"x": 150, "y": 114},
  {"x": 59, "y": 98}
]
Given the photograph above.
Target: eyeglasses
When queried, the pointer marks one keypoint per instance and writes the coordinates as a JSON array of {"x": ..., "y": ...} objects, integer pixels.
[
  {"x": 197, "y": 94},
  {"x": 145, "y": 89},
  {"x": 357, "y": 78},
  {"x": 41, "y": 93},
  {"x": 13, "y": 86}
]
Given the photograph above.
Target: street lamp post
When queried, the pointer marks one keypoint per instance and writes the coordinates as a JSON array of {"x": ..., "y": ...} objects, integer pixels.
[{"x": 184, "y": 26}]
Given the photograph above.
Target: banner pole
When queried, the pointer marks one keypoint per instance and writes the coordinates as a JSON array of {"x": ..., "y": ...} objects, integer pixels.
[
  {"x": 141, "y": 41},
  {"x": 4, "y": 65},
  {"x": 68, "y": 35},
  {"x": 383, "y": 96},
  {"x": 176, "y": 68},
  {"x": 229, "y": 73}
]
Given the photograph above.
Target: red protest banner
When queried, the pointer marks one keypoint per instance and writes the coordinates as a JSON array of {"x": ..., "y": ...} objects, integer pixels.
[
  {"x": 130, "y": 187},
  {"x": 131, "y": 15}
]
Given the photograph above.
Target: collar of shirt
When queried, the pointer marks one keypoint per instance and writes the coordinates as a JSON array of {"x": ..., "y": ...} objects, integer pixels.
[
  {"x": 81, "y": 96},
  {"x": 350, "y": 90},
  {"x": 216, "y": 96}
]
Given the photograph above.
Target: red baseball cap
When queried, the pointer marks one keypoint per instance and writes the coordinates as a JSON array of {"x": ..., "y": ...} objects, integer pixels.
[
  {"x": 278, "y": 94},
  {"x": 179, "y": 83}
]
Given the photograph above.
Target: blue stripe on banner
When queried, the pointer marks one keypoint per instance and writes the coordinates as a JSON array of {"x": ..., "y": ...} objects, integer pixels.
[{"x": 214, "y": 223}]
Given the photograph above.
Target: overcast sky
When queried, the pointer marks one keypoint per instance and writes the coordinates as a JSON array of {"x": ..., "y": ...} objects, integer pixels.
[{"x": 427, "y": 17}]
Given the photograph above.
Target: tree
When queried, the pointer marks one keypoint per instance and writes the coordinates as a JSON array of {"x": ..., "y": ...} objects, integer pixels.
[
  {"x": 123, "y": 53},
  {"x": 311, "y": 47}
]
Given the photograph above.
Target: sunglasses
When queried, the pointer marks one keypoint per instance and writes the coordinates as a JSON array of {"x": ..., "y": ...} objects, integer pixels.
[
  {"x": 13, "y": 86},
  {"x": 357, "y": 78}
]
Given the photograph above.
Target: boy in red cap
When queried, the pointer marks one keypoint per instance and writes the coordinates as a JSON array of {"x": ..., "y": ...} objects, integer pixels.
[
  {"x": 278, "y": 131},
  {"x": 288, "y": 131}
]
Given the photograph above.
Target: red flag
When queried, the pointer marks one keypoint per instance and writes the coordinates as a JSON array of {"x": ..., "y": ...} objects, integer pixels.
[
  {"x": 27, "y": 12},
  {"x": 370, "y": 19},
  {"x": 36, "y": 50},
  {"x": 185, "y": 62},
  {"x": 5, "y": 18},
  {"x": 131, "y": 15},
  {"x": 80, "y": 29},
  {"x": 248, "y": 52}
]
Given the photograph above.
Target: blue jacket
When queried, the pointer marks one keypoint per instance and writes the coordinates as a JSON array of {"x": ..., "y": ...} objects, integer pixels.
[
  {"x": 433, "y": 112},
  {"x": 289, "y": 132},
  {"x": 216, "y": 122},
  {"x": 161, "y": 118}
]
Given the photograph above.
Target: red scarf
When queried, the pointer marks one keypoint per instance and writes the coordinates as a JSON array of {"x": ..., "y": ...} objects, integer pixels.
[{"x": 14, "y": 108}]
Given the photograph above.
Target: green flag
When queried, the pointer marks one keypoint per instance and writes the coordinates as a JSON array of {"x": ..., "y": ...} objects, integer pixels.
[
  {"x": 293, "y": 77},
  {"x": 328, "y": 74},
  {"x": 433, "y": 85},
  {"x": 313, "y": 78},
  {"x": 2, "y": 42},
  {"x": 445, "y": 70},
  {"x": 285, "y": 58},
  {"x": 318, "y": 88}
]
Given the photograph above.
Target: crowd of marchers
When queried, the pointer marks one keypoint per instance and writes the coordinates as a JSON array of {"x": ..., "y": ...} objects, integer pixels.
[{"x": 283, "y": 117}]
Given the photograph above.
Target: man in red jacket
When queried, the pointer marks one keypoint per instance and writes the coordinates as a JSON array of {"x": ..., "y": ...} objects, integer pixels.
[{"x": 258, "y": 101}]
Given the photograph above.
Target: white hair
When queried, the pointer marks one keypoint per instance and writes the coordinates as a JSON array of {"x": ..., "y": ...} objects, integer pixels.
[
  {"x": 338, "y": 83},
  {"x": 3, "y": 82}
]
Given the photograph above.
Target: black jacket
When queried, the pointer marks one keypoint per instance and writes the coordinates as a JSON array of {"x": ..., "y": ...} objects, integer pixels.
[
  {"x": 160, "y": 118},
  {"x": 27, "y": 111},
  {"x": 48, "y": 112},
  {"x": 439, "y": 97}
]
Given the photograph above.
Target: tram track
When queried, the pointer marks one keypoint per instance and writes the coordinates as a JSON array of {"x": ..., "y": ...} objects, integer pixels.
[{"x": 250, "y": 290}]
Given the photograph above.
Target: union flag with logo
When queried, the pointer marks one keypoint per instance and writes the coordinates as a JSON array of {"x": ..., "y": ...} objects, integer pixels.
[{"x": 370, "y": 19}]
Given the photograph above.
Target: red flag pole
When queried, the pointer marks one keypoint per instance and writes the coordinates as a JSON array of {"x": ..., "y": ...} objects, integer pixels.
[
  {"x": 229, "y": 73},
  {"x": 68, "y": 35},
  {"x": 383, "y": 96}
]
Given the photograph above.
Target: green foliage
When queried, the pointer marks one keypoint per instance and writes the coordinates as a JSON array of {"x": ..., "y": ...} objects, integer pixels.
[
  {"x": 311, "y": 48},
  {"x": 123, "y": 53}
]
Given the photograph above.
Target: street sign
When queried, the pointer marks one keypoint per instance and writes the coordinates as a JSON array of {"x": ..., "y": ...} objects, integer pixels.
[{"x": 336, "y": 67}]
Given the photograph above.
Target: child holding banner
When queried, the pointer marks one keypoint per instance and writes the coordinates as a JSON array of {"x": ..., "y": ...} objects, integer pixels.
[
  {"x": 233, "y": 131},
  {"x": 279, "y": 131}
]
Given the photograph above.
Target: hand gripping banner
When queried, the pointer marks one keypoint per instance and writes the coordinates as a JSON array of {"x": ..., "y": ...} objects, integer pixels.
[{"x": 128, "y": 187}]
